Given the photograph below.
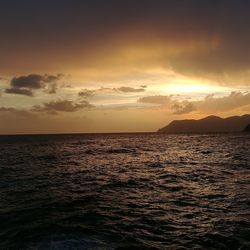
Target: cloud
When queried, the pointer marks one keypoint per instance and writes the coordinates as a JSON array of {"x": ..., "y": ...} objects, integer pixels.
[
  {"x": 16, "y": 112},
  {"x": 6, "y": 109},
  {"x": 130, "y": 89},
  {"x": 25, "y": 85},
  {"x": 175, "y": 106},
  {"x": 210, "y": 104},
  {"x": 208, "y": 39},
  {"x": 184, "y": 107},
  {"x": 215, "y": 104},
  {"x": 157, "y": 99},
  {"x": 30, "y": 82},
  {"x": 86, "y": 93},
  {"x": 21, "y": 91},
  {"x": 52, "y": 88},
  {"x": 61, "y": 106}
]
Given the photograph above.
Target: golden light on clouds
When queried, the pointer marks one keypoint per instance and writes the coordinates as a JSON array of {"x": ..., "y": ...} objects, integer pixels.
[{"x": 129, "y": 60}]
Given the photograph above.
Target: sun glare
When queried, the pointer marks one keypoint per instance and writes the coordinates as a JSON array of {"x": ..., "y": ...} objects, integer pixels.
[{"x": 193, "y": 88}]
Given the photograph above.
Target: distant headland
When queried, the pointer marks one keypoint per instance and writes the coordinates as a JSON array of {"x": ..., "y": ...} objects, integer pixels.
[{"x": 210, "y": 124}]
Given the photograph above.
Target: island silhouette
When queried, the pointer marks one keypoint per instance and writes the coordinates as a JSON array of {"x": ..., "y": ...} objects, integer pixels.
[{"x": 210, "y": 124}]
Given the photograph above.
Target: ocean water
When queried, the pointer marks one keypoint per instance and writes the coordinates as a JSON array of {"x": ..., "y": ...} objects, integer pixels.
[{"x": 125, "y": 191}]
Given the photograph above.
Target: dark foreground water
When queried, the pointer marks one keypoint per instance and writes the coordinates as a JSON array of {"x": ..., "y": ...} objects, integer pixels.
[{"x": 125, "y": 191}]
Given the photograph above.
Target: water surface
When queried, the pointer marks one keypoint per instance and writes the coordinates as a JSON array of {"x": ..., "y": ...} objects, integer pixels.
[{"x": 125, "y": 191}]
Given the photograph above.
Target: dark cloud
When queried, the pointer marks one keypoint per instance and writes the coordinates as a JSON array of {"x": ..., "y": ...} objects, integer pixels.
[
  {"x": 30, "y": 82},
  {"x": 25, "y": 85},
  {"x": 205, "y": 38},
  {"x": 61, "y": 106},
  {"x": 19, "y": 91},
  {"x": 130, "y": 90}
]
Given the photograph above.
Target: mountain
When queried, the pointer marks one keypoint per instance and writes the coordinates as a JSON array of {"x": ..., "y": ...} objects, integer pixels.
[{"x": 210, "y": 124}]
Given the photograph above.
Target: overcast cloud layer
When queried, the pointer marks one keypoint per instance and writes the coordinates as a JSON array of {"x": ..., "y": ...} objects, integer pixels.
[{"x": 196, "y": 38}]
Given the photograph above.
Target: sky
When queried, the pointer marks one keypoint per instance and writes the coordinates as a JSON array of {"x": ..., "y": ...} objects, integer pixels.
[{"x": 72, "y": 66}]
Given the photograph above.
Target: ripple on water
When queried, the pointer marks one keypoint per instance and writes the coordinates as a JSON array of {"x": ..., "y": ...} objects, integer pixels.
[{"x": 140, "y": 191}]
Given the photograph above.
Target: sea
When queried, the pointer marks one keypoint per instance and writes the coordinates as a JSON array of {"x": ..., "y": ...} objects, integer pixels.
[{"x": 125, "y": 191}]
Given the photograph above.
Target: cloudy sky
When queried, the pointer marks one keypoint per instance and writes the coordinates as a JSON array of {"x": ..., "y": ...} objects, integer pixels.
[{"x": 118, "y": 66}]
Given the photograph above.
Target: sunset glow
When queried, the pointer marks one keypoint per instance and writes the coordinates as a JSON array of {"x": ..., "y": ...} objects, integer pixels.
[
  {"x": 124, "y": 124},
  {"x": 112, "y": 59}
]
